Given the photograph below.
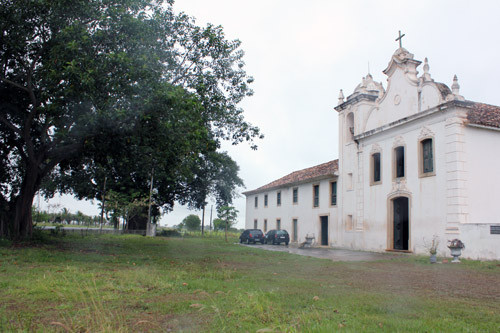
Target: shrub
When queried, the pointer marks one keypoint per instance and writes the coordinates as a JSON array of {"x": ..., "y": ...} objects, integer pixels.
[{"x": 169, "y": 233}]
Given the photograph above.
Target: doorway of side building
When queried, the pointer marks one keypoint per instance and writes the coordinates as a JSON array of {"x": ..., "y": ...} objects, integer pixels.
[
  {"x": 324, "y": 230},
  {"x": 401, "y": 225},
  {"x": 294, "y": 230}
]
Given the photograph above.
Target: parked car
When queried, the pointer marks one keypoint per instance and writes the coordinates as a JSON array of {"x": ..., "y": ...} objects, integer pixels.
[
  {"x": 277, "y": 237},
  {"x": 252, "y": 236}
]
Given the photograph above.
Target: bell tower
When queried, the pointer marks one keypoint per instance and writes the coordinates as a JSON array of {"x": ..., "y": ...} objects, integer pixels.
[{"x": 353, "y": 113}]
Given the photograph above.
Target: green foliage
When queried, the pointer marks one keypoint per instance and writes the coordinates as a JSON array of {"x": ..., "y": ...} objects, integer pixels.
[
  {"x": 219, "y": 224},
  {"x": 192, "y": 222},
  {"x": 116, "y": 90},
  {"x": 227, "y": 214},
  {"x": 58, "y": 231}
]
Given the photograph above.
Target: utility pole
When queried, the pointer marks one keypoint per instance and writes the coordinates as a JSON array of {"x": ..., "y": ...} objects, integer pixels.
[
  {"x": 148, "y": 227},
  {"x": 103, "y": 200},
  {"x": 211, "y": 207},
  {"x": 203, "y": 220}
]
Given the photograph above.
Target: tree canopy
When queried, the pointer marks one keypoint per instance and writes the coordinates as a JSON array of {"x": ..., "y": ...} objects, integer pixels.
[
  {"x": 192, "y": 222},
  {"x": 228, "y": 214},
  {"x": 115, "y": 92}
]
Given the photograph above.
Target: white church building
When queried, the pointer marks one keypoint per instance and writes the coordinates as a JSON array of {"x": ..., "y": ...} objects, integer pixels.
[{"x": 416, "y": 161}]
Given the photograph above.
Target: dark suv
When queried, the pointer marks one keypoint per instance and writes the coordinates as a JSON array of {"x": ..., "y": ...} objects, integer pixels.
[
  {"x": 277, "y": 237},
  {"x": 252, "y": 236}
]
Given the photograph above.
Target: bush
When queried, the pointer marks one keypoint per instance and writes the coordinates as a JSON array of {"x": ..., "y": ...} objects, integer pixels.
[
  {"x": 58, "y": 231},
  {"x": 169, "y": 233}
]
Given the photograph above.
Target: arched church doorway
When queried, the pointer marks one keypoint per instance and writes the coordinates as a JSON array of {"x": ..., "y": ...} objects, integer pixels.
[{"x": 401, "y": 223}]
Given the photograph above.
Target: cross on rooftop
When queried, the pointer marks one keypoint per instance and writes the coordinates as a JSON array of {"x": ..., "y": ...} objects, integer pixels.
[{"x": 400, "y": 39}]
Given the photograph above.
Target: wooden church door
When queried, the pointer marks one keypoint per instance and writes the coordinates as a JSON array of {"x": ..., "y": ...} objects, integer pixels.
[{"x": 401, "y": 223}]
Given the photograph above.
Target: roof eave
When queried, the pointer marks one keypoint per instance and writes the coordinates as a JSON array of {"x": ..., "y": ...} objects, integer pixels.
[
  {"x": 440, "y": 107},
  {"x": 305, "y": 181},
  {"x": 354, "y": 100}
]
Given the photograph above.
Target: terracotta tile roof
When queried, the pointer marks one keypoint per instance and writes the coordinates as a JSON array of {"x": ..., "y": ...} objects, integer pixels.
[
  {"x": 315, "y": 172},
  {"x": 484, "y": 114},
  {"x": 443, "y": 89}
]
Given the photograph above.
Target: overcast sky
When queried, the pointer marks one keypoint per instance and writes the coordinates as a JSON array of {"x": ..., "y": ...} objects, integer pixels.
[{"x": 301, "y": 53}]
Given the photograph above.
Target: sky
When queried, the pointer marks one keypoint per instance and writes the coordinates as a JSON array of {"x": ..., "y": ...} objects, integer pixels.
[{"x": 301, "y": 53}]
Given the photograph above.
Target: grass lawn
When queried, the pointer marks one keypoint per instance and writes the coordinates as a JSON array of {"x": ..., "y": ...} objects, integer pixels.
[{"x": 134, "y": 283}]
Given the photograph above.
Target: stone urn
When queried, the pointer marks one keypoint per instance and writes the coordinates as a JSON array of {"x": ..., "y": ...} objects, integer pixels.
[
  {"x": 433, "y": 258},
  {"x": 432, "y": 248},
  {"x": 456, "y": 246}
]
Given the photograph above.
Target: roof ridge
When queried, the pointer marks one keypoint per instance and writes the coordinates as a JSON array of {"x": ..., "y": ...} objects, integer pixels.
[{"x": 320, "y": 170}]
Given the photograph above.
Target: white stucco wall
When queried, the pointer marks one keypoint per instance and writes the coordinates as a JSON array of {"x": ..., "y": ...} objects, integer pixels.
[
  {"x": 426, "y": 194},
  {"x": 483, "y": 164},
  {"x": 483, "y": 193},
  {"x": 308, "y": 217}
]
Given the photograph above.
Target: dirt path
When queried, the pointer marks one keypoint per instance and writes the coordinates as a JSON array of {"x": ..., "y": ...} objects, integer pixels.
[{"x": 334, "y": 254}]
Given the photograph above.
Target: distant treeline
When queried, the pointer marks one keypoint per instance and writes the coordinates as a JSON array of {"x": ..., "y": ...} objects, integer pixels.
[{"x": 65, "y": 217}]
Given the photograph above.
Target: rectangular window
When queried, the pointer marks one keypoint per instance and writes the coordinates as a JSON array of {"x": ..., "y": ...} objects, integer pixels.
[
  {"x": 278, "y": 198},
  {"x": 349, "y": 181},
  {"x": 256, "y": 202},
  {"x": 278, "y": 224},
  {"x": 333, "y": 193},
  {"x": 348, "y": 224},
  {"x": 255, "y": 224},
  {"x": 376, "y": 167},
  {"x": 315, "y": 195},
  {"x": 295, "y": 195},
  {"x": 265, "y": 200},
  {"x": 294, "y": 223},
  {"x": 265, "y": 225},
  {"x": 400, "y": 161},
  {"x": 427, "y": 158}
]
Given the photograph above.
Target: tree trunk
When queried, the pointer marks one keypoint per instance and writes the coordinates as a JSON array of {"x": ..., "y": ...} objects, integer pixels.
[
  {"x": 22, "y": 222},
  {"x": 4, "y": 218},
  {"x": 139, "y": 220},
  {"x": 226, "y": 231}
]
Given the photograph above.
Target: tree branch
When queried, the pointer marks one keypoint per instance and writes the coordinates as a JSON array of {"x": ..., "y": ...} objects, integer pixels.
[
  {"x": 59, "y": 154},
  {"x": 15, "y": 130},
  {"x": 10, "y": 126},
  {"x": 44, "y": 131},
  {"x": 12, "y": 83},
  {"x": 31, "y": 115}
]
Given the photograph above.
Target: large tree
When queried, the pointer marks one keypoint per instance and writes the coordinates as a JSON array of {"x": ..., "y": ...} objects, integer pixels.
[
  {"x": 192, "y": 222},
  {"x": 82, "y": 82}
]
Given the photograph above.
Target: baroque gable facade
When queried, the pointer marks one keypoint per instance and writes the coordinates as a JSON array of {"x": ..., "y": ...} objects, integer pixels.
[{"x": 415, "y": 161}]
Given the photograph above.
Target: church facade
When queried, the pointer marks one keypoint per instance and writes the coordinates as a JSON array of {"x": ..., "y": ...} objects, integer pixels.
[{"x": 416, "y": 161}]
